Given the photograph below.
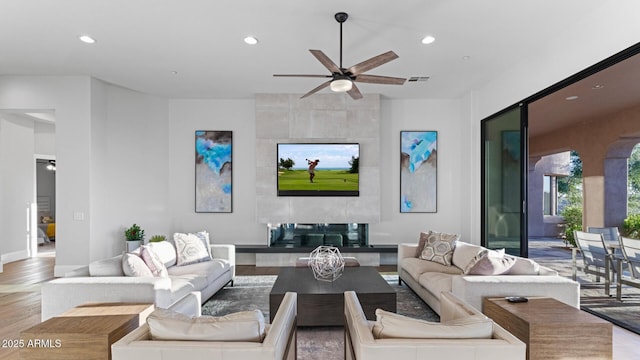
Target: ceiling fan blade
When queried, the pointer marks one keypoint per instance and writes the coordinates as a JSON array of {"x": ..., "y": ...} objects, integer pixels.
[
  {"x": 302, "y": 75},
  {"x": 355, "y": 92},
  {"x": 372, "y": 63},
  {"x": 320, "y": 87},
  {"x": 376, "y": 79},
  {"x": 324, "y": 59}
]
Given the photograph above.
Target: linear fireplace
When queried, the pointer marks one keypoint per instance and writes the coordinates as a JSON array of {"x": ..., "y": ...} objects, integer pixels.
[{"x": 350, "y": 235}]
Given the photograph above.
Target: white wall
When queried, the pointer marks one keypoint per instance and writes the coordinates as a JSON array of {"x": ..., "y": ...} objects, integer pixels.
[
  {"x": 454, "y": 163},
  {"x": 111, "y": 152},
  {"x": 129, "y": 166},
  {"x": 241, "y": 227},
  {"x": 187, "y": 116},
  {"x": 17, "y": 184}
]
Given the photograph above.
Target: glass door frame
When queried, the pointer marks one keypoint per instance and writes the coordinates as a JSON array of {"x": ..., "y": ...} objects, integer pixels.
[{"x": 524, "y": 151}]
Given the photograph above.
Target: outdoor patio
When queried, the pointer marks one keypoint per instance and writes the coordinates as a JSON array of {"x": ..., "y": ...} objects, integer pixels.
[{"x": 555, "y": 254}]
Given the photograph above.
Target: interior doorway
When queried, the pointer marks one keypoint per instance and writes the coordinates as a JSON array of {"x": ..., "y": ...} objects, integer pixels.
[{"x": 46, "y": 204}]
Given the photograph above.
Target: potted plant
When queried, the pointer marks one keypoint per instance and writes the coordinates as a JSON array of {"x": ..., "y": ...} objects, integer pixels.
[
  {"x": 134, "y": 236},
  {"x": 157, "y": 238}
]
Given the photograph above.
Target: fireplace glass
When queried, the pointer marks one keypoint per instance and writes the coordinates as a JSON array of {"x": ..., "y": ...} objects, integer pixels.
[{"x": 314, "y": 235}]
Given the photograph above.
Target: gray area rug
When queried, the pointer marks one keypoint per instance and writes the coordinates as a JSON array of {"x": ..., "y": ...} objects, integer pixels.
[{"x": 321, "y": 343}]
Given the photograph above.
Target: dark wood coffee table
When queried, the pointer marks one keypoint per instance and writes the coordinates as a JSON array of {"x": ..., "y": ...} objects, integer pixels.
[{"x": 321, "y": 303}]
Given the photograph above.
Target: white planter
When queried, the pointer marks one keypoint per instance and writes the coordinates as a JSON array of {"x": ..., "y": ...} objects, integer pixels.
[{"x": 133, "y": 244}]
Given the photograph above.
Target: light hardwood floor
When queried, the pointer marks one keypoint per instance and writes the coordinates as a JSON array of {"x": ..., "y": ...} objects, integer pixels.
[{"x": 20, "y": 304}]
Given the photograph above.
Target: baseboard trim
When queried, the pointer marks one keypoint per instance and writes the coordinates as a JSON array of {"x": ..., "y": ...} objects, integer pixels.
[{"x": 14, "y": 256}]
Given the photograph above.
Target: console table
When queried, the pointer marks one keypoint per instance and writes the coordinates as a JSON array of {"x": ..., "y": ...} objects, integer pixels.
[
  {"x": 85, "y": 332},
  {"x": 552, "y": 329}
]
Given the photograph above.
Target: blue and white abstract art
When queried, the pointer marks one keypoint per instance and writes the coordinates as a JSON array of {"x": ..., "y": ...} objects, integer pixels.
[
  {"x": 213, "y": 171},
  {"x": 418, "y": 171}
]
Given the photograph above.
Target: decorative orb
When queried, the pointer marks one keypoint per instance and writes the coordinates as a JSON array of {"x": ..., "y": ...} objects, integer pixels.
[{"x": 326, "y": 262}]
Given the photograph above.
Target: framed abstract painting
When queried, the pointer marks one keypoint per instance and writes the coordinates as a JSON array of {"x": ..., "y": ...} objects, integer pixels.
[
  {"x": 213, "y": 171},
  {"x": 418, "y": 171}
]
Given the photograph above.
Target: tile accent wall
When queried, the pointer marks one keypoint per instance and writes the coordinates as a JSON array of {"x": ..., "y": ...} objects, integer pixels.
[{"x": 282, "y": 118}]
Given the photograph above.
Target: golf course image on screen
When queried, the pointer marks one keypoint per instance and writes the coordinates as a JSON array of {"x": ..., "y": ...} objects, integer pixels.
[{"x": 318, "y": 169}]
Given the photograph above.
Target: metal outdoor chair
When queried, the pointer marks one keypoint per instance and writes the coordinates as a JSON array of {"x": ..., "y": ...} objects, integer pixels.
[
  {"x": 610, "y": 234},
  {"x": 597, "y": 258},
  {"x": 631, "y": 257}
]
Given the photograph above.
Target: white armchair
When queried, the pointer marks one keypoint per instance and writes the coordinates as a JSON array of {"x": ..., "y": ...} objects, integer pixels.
[
  {"x": 360, "y": 343},
  {"x": 279, "y": 342}
]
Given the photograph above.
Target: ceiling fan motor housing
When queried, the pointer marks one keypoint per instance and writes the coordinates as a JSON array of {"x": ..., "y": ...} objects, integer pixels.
[{"x": 341, "y": 17}]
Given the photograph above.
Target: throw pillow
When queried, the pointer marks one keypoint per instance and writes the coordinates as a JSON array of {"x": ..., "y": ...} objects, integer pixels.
[
  {"x": 133, "y": 265},
  {"x": 524, "y": 266},
  {"x": 439, "y": 248},
  {"x": 241, "y": 326},
  {"x": 490, "y": 262},
  {"x": 153, "y": 262},
  {"x": 464, "y": 253},
  {"x": 392, "y": 325},
  {"x": 189, "y": 249},
  {"x": 421, "y": 241},
  {"x": 204, "y": 237}
]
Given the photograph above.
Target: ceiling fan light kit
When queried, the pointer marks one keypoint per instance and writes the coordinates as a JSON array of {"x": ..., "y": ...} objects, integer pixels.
[
  {"x": 344, "y": 79},
  {"x": 341, "y": 85}
]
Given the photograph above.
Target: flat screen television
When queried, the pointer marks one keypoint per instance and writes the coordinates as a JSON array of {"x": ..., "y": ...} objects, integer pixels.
[{"x": 306, "y": 169}]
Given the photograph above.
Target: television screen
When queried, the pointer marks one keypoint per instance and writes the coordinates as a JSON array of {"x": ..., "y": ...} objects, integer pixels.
[{"x": 318, "y": 169}]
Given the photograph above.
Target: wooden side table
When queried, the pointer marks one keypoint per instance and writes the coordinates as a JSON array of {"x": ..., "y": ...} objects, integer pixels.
[
  {"x": 85, "y": 332},
  {"x": 552, "y": 329}
]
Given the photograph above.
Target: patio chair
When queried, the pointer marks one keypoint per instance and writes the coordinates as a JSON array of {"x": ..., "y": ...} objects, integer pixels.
[
  {"x": 608, "y": 233},
  {"x": 631, "y": 257},
  {"x": 596, "y": 257}
]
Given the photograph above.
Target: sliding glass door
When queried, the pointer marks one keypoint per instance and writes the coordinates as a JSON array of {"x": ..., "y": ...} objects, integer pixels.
[{"x": 504, "y": 145}]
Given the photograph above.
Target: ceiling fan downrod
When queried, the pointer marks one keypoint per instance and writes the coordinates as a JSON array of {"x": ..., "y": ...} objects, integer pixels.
[{"x": 341, "y": 17}]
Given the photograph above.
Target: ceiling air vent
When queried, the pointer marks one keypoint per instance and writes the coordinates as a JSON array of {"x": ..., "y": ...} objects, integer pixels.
[{"x": 418, "y": 78}]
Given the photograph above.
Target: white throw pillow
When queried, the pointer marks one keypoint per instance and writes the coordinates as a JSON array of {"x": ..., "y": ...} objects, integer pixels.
[
  {"x": 241, "y": 326},
  {"x": 190, "y": 249},
  {"x": 463, "y": 253},
  {"x": 490, "y": 262},
  {"x": 439, "y": 247},
  {"x": 166, "y": 252},
  {"x": 204, "y": 237},
  {"x": 392, "y": 325},
  {"x": 153, "y": 262},
  {"x": 523, "y": 266},
  {"x": 133, "y": 265}
]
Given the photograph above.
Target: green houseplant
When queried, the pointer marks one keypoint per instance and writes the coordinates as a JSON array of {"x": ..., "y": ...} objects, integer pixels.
[
  {"x": 157, "y": 238},
  {"x": 134, "y": 233}
]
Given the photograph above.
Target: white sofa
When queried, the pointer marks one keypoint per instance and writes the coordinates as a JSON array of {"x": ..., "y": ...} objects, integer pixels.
[
  {"x": 361, "y": 344},
  {"x": 429, "y": 279},
  {"x": 278, "y": 343},
  {"x": 104, "y": 281}
]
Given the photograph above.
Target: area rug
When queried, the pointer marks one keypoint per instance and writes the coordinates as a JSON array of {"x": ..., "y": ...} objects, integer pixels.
[{"x": 321, "y": 343}]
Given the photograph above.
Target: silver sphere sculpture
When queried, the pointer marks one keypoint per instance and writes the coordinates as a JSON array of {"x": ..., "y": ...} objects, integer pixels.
[{"x": 327, "y": 263}]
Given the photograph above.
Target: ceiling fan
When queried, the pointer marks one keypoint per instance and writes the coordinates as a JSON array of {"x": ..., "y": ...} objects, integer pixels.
[{"x": 344, "y": 79}]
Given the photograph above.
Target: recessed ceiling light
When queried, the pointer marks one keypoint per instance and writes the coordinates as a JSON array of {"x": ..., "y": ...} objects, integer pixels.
[
  {"x": 466, "y": 57},
  {"x": 572, "y": 97},
  {"x": 174, "y": 72},
  {"x": 597, "y": 86},
  {"x": 428, "y": 39},
  {"x": 87, "y": 39},
  {"x": 251, "y": 40}
]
